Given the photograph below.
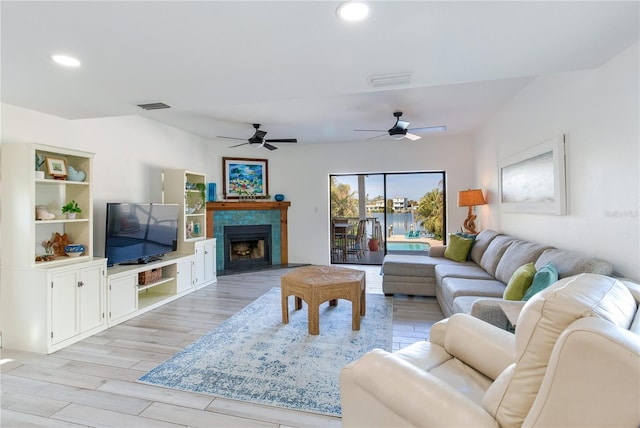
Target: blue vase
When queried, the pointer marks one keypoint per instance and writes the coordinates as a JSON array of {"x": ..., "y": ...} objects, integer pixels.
[
  {"x": 211, "y": 192},
  {"x": 279, "y": 197}
]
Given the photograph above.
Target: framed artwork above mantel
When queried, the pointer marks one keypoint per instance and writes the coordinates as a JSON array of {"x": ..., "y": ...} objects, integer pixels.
[
  {"x": 245, "y": 177},
  {"x": 534, "y": 181}
]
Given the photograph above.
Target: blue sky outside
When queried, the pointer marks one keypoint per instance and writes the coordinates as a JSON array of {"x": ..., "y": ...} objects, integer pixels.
[{"x": 411, "y": 186}]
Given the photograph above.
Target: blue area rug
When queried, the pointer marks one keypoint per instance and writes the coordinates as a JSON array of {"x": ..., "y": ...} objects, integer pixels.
[{"x": 254, "y": 357}]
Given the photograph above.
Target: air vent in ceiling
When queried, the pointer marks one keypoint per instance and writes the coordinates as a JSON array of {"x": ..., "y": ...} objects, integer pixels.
[
  {"x": 154, "y": 106},
  {"x": 383, "y": 80}
]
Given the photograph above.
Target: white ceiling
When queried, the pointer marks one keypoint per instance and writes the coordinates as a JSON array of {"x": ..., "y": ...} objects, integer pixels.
[{"x": 293, "y": 66}]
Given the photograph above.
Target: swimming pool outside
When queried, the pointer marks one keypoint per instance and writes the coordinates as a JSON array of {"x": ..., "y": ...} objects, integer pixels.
[{"x": 407, "y": 246}]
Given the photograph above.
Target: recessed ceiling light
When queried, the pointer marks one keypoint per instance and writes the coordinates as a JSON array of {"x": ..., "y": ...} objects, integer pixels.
[
  {"x": 352, "y": 11},
  {"x": 65, "y": 60}
]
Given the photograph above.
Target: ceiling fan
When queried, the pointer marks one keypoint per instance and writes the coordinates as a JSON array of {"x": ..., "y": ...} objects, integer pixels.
[
  {"x": 400, "y": 129},
  {"x": 258, "y": 139}
]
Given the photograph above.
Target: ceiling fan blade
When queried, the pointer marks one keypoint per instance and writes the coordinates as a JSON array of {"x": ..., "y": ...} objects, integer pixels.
[
  {"x": 282, "y": 140},
  {"x": 429, "y": 129},
  {"x": 269, "y": 146},
  {"x": 378, "y": 136},
  {"x": 231, "y": 138},
  {"x": 412, "y": 137},
  {"x": 370, "y": 130},
  {"x": 238, "y": 145},
  {"x": 259, "y": 134}
]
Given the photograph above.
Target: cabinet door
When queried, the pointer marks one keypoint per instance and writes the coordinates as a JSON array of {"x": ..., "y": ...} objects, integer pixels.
[
  {"x": 199, "y": 262},
  {"x": 123, "y": 294},
  {"x": 209, "y": 261},
  {"x": 184, "y": 279},
  {"x": 91, "y": 298},
  {"x": 64, "y": 305}
]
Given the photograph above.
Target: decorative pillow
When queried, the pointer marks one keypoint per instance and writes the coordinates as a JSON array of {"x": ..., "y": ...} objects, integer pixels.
[
  {"x": 546, "y": 276},
  {"x": 471, "y": 236},
  {"x": 519, "y": 282},
  {"x": 458, "y": 248}
]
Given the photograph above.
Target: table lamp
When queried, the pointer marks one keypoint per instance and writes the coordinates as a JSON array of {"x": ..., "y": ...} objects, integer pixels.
[{"x": 470, "y": 198}]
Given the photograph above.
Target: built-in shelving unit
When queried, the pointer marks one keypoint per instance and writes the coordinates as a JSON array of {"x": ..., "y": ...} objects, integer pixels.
[
  {"x": 48, "y": 301},
  {"x": 188, "y": 189},
  {"x": 22, "y": 192}
]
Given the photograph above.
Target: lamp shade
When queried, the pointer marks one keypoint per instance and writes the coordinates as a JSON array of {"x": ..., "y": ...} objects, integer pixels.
[{"x": 470, "y": 198}]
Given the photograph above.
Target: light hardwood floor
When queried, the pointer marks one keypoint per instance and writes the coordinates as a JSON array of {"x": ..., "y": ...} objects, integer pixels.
[{"x": 92, "y": 383}]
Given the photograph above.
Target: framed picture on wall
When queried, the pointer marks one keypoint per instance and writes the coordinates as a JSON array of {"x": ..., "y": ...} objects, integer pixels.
[
  {"x": 534, "y": 181},
  {"x": 245, "y": 177}
]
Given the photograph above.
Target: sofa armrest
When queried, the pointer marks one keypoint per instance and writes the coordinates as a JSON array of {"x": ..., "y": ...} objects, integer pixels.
[
  {"x": 381, "y": 389},
  {"x": 478, "y": 344},
  {"x": 437, "y": 250}
]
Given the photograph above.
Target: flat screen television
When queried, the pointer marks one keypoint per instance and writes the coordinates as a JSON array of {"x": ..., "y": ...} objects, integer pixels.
[{"x": 140, "y": 233}]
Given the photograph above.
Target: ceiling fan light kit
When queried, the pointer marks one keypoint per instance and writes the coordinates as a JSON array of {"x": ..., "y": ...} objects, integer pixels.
[
  {"x": 400, "y": 129},
  {"x": 257, "y": 140}
]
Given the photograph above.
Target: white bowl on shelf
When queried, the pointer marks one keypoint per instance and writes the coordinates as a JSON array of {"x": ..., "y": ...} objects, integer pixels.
[{"x": 74, "y": 250}]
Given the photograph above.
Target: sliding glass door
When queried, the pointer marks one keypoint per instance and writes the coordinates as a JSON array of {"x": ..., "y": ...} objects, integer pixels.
[{"x": 398, "y": 212}]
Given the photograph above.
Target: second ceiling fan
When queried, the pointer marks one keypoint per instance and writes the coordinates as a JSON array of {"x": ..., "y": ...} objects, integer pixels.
[
  {"x": 258, "y": 139},
  {"x": 400, "y": 129}
]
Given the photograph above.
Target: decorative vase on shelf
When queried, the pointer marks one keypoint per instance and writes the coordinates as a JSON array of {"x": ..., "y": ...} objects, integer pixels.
[
  {"x": 279, "y": 197},
  {"x": 71, "y": 215}
]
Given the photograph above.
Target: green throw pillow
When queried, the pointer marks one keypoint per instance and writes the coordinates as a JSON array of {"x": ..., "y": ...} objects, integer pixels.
[
  {"x": 546, "y": 276},
  {"x": 519, "y": 282},
  {"x": 471, "y": 236},
  {"x": 458, "y": 248}
]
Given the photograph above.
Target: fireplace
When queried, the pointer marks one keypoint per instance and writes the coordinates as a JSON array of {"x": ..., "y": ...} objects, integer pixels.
[{"x": 247, "y": 246}]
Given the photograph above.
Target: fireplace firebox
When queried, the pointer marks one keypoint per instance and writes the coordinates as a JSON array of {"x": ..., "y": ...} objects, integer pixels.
[{"x": 247, "y": 246}]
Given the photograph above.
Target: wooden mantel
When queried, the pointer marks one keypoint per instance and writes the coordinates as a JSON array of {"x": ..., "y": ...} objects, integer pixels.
[{"x": 254, "y": 206}]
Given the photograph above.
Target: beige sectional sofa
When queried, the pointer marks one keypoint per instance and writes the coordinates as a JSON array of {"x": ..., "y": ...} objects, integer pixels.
[{"x": 477, "y": 285}]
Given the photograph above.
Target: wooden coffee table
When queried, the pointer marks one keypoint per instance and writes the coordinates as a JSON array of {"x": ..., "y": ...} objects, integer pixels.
[{"x": 318, "y": 284}]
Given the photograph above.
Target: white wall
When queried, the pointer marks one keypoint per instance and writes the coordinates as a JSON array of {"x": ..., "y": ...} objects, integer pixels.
[
  {"x": 301, "y": 173},
  {"x": 598, "y": 112},
  {"x": 132, "y": 151}
]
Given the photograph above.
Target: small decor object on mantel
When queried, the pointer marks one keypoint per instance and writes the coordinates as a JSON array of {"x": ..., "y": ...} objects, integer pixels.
[
  {"x": 71, "y": 209},
  {"x": 279, "y": 197}
]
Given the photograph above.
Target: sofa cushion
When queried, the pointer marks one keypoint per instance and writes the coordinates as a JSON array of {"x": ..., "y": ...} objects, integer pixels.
[
  {"x": 458, "y": 248},
  {"x": 470, "y": 270},
  {"x": 570, "y": 263},
  {"x": 454, "y": 287},
  {"x": 482, "y": 241},
  {"x": 517, "y": 254},
  {"x": 519, "y": 282},
  {"x": 543, "y": 278},
  {"x": 494, "y": 253},
  {"x": 463, "y": 304},
  {"x": 410, "y": 265}
]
